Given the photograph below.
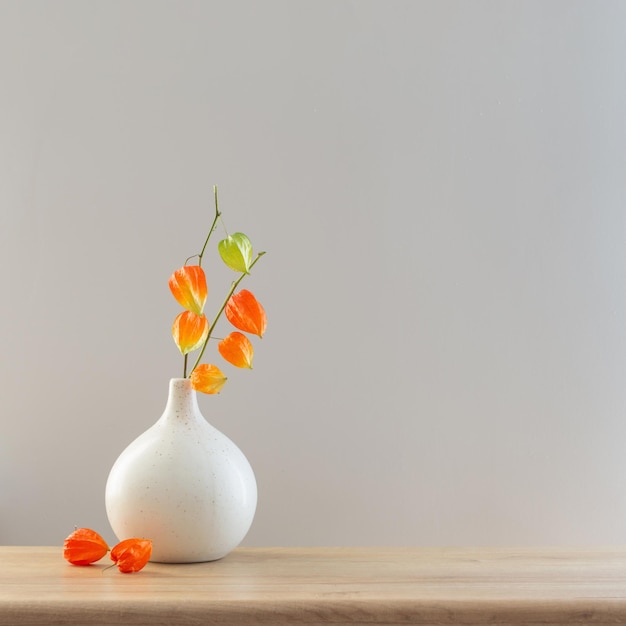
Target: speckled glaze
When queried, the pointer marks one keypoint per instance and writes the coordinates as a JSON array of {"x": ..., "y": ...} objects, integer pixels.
[{"x": 182, "y": 484}]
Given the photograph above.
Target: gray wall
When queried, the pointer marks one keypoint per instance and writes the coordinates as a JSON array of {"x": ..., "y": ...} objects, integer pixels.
[{"x": 440, "y": 187}]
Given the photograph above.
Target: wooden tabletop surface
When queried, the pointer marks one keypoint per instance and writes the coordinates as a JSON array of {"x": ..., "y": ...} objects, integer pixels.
[{"x": 307, "y": 586}]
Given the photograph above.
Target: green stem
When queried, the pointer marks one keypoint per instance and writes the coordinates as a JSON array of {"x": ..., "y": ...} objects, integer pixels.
[
  {"x": 185, "y": 366},
  {"x": 217, "y": 216},
  {"x": 219, "y": 313}
]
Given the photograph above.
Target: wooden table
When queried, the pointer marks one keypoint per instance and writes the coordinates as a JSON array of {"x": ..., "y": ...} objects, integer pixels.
[{"x": 305, "y": 586}]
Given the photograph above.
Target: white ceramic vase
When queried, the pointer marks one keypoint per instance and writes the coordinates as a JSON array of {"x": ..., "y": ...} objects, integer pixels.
[{"x": 182, "y": 484}]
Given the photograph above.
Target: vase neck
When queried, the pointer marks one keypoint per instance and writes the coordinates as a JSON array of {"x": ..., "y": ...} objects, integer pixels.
[{"x": 182, "y": 401}]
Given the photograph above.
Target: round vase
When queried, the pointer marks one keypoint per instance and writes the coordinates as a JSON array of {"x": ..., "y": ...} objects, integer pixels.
[{"x": 182, "y": 484}]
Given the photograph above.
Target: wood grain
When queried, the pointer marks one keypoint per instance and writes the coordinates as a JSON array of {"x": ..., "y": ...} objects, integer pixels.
[{"x": 315, "y": 586}]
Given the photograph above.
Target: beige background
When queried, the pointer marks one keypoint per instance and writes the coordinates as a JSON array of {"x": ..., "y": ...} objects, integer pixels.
[{"x": 441, "y": 189}]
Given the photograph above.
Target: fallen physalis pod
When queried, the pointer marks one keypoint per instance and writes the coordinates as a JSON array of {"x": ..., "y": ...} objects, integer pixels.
[
  {"x": 237, "y": 350},
  {"x": 245, "y": 312},
  {"x": 207, "y": 378},
  {"x": 131, "y": 555},
  {"x": 84, "y": 546}
]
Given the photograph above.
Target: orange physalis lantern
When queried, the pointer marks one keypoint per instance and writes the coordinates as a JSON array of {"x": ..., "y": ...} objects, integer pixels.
[
  {"x": 237, "y": 350},
  {"x": 189, "y": 331},
  {"x": 188, "y": 286},
  {"x": 131, "y": 555},
  {"x": 207, "y": 378},
  {"x": 245, "y": 312},
  {"x": 84, "y": 546}
]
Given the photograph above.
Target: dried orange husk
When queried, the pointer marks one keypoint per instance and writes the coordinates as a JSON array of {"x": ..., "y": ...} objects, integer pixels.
[
  {"x": 207, "y": 378},
  {"x": 188, "y": 286},
  {"x": 245, "y": 312},
  {"x": 84, "y": 546},
  {"x": 132, "y": 554},
  {"x": 236, "y": 252},
  {"x": 190, "y": 331},
  {"x": 237, "y": 350}
]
